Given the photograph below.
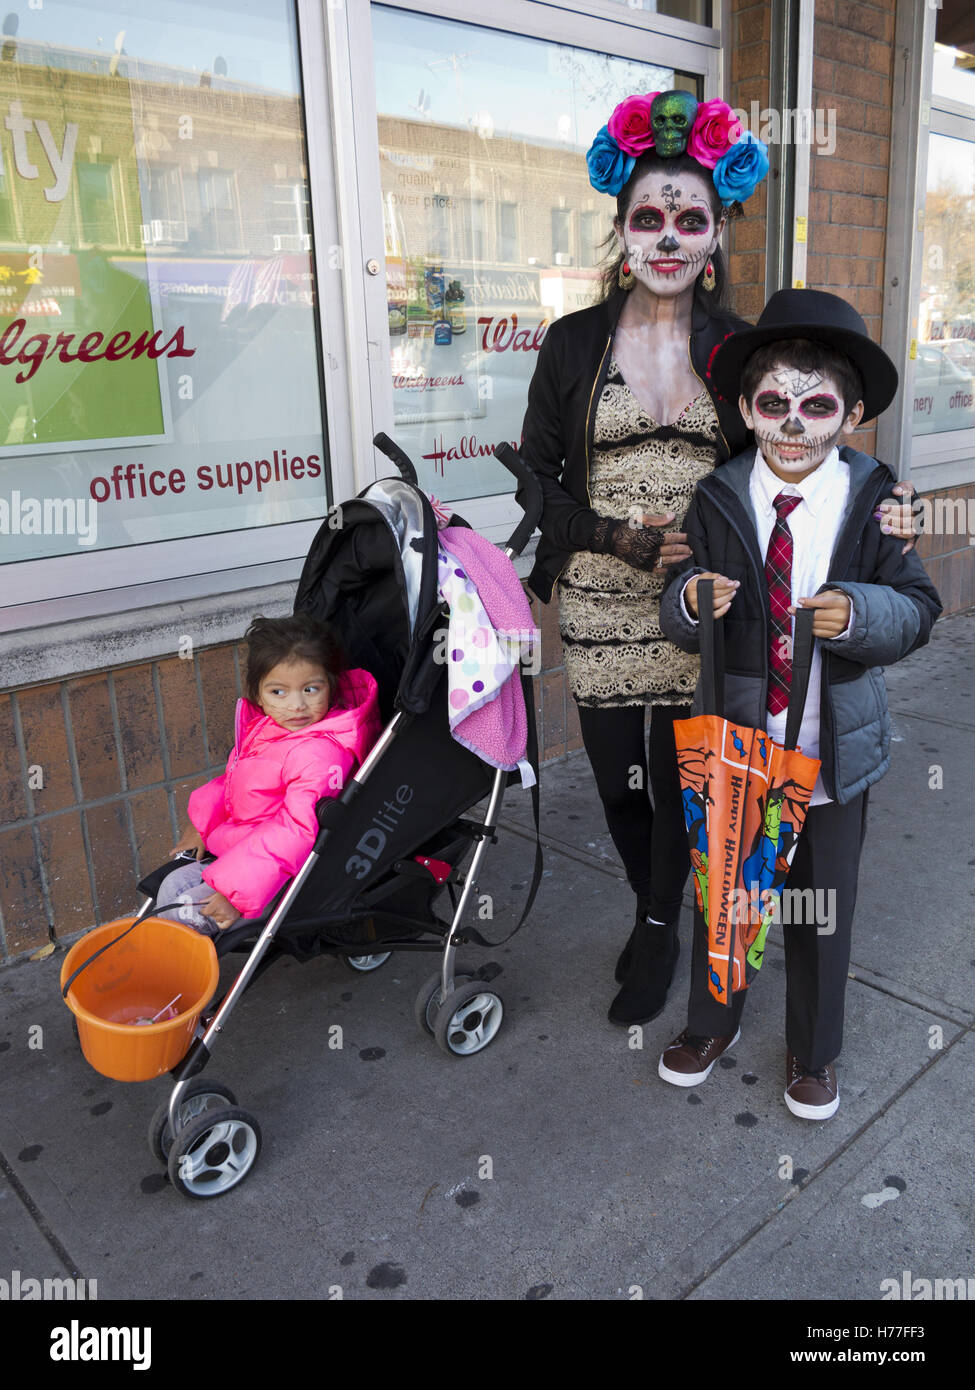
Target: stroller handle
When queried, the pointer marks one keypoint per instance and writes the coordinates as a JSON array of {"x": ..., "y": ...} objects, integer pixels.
[
  {"x": 396, "y": 455},
  {"x": 528, "y": 496}
]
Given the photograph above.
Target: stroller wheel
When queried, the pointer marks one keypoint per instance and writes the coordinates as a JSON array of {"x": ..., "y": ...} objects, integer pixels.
[
  {"x": 427, "y": 1001},
  {"x": 361, "y": 965},
  {"x": 468, "y": 1019},
  {"x": 198, "y": 1097},
  {"x": 214, "y": 1152}
]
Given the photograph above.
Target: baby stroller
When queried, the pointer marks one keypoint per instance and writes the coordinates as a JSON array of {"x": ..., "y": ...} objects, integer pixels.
[{"x": 392, "y": 846}]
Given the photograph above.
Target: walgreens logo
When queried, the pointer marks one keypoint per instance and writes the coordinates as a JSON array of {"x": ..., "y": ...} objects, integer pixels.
[
  {"x": 500, "y": 334},
  {"x": 92, "y": 348}
]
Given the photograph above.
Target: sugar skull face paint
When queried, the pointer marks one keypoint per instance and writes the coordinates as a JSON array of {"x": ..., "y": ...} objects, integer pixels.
[
  {"x": 670, "y": 231},
  {"x": 797, "y": 417}
]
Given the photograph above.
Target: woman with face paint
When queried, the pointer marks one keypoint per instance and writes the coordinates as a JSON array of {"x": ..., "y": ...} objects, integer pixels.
[{"x": 622, "y": 423}]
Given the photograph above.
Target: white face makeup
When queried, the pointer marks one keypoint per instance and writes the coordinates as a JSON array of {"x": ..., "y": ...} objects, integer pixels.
[
  {"x": 670, "y": 231},
  {"x": 797, "y": 417}
]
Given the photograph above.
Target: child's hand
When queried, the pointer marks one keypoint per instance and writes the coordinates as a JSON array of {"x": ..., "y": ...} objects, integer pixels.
[
  {"x": 896, "y": 516},
  {"x": 223, "y": 912},
  {"x": 832, "y": 615},
  {"x": 190, "y": 840},
  {"x": 724, "y": 592}
]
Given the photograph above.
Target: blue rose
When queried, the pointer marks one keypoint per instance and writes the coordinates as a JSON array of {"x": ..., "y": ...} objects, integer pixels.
[
  {"x": 609, "y": 166},
  {"x": 739, "y": 172}
]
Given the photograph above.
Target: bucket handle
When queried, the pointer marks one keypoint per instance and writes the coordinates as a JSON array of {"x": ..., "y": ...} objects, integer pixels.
[{"x": 75, "y": 973}]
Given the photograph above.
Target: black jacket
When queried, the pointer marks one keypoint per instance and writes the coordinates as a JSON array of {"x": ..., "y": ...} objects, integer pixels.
[
  {"x": 572, "y": 366},
  {"x": 895, "y": 605}
]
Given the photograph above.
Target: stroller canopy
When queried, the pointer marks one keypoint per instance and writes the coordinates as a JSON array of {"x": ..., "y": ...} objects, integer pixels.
[{"x": 371, "y": 573}]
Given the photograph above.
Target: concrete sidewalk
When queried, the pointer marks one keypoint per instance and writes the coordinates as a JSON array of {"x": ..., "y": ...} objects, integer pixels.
[{"x": 605, "y": 1182}]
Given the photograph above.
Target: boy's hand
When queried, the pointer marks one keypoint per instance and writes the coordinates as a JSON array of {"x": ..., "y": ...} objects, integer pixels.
[
  {"x": 223, "y": 912},
  {"x": 896, "y": 516},
  {"x": 675, "y": 547},
  {"x": 724, "y": 592},
  {"x": 191, "y": 840},
  {"x": 832, "y": 612}
]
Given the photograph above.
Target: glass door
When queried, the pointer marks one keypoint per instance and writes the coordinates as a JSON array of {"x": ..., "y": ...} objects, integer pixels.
[{"x": 478, "y": 201}]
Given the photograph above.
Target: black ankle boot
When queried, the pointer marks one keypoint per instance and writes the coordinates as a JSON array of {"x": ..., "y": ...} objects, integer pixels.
[
  {"x": 652, "y": 962},
  {"x": 626, "y": 955}
]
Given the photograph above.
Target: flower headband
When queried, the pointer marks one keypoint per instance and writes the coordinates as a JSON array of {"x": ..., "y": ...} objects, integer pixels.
[{"x": 674, "y": 123}]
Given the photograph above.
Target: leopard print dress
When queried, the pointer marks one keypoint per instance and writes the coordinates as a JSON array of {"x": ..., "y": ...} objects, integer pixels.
[{"x": 609, "y": 612}]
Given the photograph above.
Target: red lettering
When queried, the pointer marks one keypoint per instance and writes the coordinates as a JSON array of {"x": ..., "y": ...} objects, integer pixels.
[
  {"x": 14, "y": 329},
  {"x": 87, "y": 346},
  {"x": 116, "y": 348},
  {"x": 156, "y": 491},
  {"x": 297, "y": 467},
  {"x": 177, "y": 480},
  {"x": 313, "y": 466},
  {"x": 63, "y": 341},
  {"x": 35, "y": 358}
]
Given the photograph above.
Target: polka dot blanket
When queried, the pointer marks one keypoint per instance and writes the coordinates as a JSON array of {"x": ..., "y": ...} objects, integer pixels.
[{"x": 490, "y": 624}]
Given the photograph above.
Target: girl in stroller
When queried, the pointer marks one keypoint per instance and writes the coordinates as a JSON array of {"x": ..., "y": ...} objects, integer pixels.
[{"x": 303, "y": 729}]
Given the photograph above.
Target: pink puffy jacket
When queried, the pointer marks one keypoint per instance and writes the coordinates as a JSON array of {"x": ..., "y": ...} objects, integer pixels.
[{"x": 258, "y": 818}]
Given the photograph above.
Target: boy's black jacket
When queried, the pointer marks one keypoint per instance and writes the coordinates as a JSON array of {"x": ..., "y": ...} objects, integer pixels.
[
  {"x": 894, "y": 603},
  {"x": 572, "y": 366}
]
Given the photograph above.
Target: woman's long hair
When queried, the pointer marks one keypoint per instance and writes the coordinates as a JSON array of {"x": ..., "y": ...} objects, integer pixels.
[{"x": 650, "y": 163}]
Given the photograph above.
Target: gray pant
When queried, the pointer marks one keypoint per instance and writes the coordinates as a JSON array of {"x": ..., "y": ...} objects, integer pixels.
[{"x": 185, "y": 886}]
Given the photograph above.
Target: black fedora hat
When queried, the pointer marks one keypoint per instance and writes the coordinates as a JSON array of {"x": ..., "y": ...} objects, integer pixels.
[{"x": 822, "y": 318}]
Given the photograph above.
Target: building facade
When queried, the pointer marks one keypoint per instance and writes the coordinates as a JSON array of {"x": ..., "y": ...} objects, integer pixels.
[{"x": 234, "y": 247}]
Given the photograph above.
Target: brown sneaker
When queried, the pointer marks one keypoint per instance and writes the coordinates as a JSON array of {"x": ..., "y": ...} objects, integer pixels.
[
  {"x": 689, "y": 1059},
  {"x": 812, "y": 1095}
]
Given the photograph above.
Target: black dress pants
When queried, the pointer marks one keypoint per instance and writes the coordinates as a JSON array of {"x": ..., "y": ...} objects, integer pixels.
[
  {"x": 816, "y": 927},
  {"x": 651, "y": 838}
]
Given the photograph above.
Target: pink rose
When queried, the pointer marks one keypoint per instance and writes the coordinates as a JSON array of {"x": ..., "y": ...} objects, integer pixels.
[
  {"x": 629, "y": 125},
  {"x": 716, "y": 128}
]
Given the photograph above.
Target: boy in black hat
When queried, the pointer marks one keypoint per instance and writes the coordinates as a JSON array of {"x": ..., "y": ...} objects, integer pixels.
[{"x": 796, "y": 522}]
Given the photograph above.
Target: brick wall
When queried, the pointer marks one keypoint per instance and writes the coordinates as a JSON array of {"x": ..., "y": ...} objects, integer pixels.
[
  {"x": 750, "y": 53},
  {"x": 949, "y": 559},
  {"x": 95, "y": 774},
  {"x": 853, "y": 63}
]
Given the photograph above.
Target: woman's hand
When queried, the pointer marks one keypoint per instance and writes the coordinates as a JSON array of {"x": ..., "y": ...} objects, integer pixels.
[
  {"x": 674, "y": 547},
  {"x": 191, "y": 841},
  {"x": 724, "y": 592},
  {"x": 896, "y": 516},
  {"x": 221, "y": 910}
]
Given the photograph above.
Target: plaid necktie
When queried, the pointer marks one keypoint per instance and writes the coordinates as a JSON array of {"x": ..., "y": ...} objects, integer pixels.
[{"x": 778, "y": 577}]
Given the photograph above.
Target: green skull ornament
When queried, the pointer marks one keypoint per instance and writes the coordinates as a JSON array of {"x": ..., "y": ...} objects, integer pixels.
[{"x": 672, "y": 115}]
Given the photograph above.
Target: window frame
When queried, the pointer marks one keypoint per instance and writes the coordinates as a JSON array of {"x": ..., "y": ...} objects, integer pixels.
[
  {"x": 74, "y": 585},
  {"x": 601, "y": 26},
  {"x": 945, "y": 458}
]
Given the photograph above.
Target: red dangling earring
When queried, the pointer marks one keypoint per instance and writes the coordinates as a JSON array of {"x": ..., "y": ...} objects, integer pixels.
[
  {"x": 625, "y": 277},
  {"x": 707, "y": 279}
]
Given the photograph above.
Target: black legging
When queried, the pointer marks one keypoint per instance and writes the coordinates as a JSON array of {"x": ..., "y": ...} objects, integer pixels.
[{"x": 651, "y": 840}]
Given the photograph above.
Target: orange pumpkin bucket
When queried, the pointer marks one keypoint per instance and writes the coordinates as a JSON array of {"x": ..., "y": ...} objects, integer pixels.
[{"x": 138, "y": 1004}]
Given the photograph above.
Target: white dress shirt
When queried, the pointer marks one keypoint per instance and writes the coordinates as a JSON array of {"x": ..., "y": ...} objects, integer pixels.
[{"x": 815, "y": 525}]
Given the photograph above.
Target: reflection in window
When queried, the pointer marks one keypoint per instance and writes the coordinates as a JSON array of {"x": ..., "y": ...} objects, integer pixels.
[
  {"x": 561, "y": 236},
  {"x": 508, "y": 232},
  {"x": 693, "y": 11},
  {"x": 154, "y": 225},
  {"x": 944, "y": 371},
  {"x": 99, "y": 204},
  {"x": 482, "y": 139}
]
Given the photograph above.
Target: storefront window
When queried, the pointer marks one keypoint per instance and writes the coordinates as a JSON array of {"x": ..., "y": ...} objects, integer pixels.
[
  {"x": 944, "y": 373},
  {"x": 158, "y": 347},
  {"x": 694, "y": 11},
  {"x": 492, "y": 228}
]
